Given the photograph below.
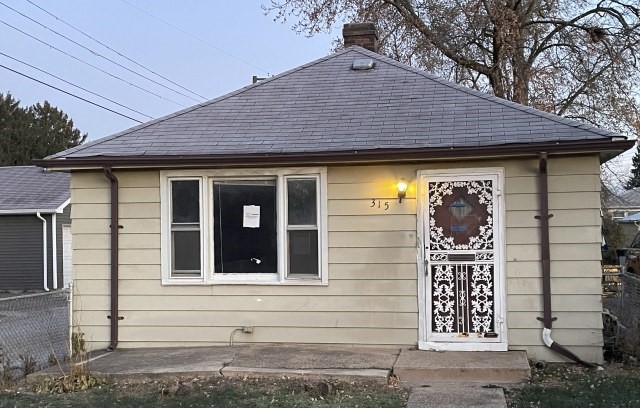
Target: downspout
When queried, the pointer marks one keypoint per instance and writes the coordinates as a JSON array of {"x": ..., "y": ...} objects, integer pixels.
[
  {"x": 45, "y": 266},
  {"x": 544, "y": 216},
  {"x": 114, "y": 259},
  {"x": 54, "y": 251}
]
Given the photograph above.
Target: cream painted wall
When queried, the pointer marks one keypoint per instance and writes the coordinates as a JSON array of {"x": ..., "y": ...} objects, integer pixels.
[{"x": 371, "y": 298}]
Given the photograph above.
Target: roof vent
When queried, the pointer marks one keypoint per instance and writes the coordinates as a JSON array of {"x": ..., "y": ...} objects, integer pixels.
[{"x": 362, "y": 64}]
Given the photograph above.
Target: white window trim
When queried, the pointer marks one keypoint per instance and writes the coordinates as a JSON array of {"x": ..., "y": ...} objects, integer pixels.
[
  {"x": 286, "y": 228},
  {"x": 166, "y": 240},
  {"x": 207, "y": 178}
]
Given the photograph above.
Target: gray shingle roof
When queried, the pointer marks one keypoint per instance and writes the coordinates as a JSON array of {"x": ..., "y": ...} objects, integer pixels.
[
  {"x": 624, "y": 199},
  {"x": 324, "y": 106},
  {"x": 32, "y": 188}
]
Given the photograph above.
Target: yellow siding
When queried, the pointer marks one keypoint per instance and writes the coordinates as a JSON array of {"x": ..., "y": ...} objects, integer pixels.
[
  {"x": 372, "y": 297},
  {"x": 180, "y": 318}
]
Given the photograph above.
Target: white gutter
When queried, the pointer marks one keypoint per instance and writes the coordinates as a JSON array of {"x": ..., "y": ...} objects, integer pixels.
[
  {"x": 54, "y": 250},
  {"x": 24, "y": 211},
  {"x": 44, "y": 250},
  {"x": 28, "y": 211},
  {"x": 60, "y": 209}
]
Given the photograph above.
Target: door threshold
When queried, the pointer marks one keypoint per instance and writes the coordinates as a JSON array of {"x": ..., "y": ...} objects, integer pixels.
[{"x": 430, "y": 345}]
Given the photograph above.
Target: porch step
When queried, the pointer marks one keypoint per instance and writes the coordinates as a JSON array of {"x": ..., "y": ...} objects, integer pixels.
[{"x": 488, "y": 367}]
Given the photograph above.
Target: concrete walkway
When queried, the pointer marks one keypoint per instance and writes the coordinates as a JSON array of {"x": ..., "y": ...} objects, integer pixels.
[
  {"x": 428, "y": 374},
  {"x": 445, "y": 395}
]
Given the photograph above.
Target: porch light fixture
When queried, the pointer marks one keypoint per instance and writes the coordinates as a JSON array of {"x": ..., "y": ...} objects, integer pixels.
[{"x": 402, "y": 189}]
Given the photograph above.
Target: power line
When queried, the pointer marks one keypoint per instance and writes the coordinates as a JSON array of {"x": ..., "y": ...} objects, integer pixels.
[
  {"x": 113, "y": 50},
  {"x": 97, "y": 53},
  {"x": 195, "y": 37},
  {"x": 69, "y": 93},
  {"x": 91, "y": 65},
  {"x": 74, "y": 85}
]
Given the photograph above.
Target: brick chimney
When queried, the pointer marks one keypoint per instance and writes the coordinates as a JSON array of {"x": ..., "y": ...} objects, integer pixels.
[{"x": 363, "y": 34}]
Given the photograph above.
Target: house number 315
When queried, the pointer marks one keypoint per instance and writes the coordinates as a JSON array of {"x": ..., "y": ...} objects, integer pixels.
[{"x": 379, "y": 204}]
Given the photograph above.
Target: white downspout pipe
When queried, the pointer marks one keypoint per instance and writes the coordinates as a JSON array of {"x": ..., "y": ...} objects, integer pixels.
[
  {"x": 54, "y": 250},
  {"x": 70, "y": 300},
  {"x": 44, "y": 250}
]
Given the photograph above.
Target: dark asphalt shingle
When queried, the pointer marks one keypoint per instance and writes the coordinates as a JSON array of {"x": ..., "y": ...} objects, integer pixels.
[
  {"x": 32, "y": 188},
  {"x": 324, "y": 106}
]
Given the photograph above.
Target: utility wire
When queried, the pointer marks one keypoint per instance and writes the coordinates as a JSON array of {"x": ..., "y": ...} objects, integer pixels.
[
  {"x": 74, "y": 85},
  {"x": 97, "y": 53},
  {"x": 196, "y": 37},
  {"x": 111, "y": 49},
  {"x": 91, "y": 65},
  {"x": 69, "y": 93}
]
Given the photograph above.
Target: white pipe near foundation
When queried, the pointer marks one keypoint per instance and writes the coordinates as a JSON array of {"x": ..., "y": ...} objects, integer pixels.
[
  {"x": 44, "y": 250},
  {"x": 54, "y": 250},
  {"x": 70, "y": 300}
]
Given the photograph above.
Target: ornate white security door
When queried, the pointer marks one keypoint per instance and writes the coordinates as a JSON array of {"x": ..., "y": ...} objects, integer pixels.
[{"x": 462, "y": 255}]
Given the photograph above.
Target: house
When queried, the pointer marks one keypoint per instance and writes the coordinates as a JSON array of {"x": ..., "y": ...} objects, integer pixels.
[
  {"x": 630, "y": 229},
  {"x": 35, "y": 234},
  {"x": 624, "y": 207},
  {"x": 352, "y": 200}
]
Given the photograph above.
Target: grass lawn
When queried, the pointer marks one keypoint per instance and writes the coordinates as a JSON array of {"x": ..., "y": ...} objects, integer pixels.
[
  {"x": 218, "y": 392},
  {"x": 573, "y": 386}
]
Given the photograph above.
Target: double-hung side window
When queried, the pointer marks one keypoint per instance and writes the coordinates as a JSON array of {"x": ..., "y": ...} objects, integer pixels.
[
  {"x": 302, "y": 226},
  {"x": 244, "y": 226},
  {"x": 185, "y": 228}
]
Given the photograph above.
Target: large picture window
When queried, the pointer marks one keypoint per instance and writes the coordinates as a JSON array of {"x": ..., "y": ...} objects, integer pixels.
[
  {"x": 244, "y": 226},
  {"x": 245, "y": 241}
]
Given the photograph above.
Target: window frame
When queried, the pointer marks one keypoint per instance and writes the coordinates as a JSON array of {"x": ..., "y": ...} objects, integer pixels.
[
  {"x": 301, "y": 227},
  {"x": 207, "y": 179},
  {"x": 169, "y": 239}
]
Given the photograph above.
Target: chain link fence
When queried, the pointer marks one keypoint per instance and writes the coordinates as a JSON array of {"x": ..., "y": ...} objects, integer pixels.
[
  {"x": 629, "y": 301},
  {"x": 623, "y": 323},
  {"x": 34, "y": 332}
]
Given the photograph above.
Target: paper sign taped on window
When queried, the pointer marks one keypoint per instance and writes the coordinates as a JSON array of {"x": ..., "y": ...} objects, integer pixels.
[{"x": 251, "y": 217}]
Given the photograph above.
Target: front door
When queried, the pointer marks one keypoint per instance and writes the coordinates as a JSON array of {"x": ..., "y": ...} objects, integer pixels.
[{"x": 462, "y": 260}]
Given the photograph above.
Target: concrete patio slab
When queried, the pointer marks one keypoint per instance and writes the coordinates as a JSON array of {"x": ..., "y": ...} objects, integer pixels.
[
  {"x": 313, "y": 357},
  {"x": 444, "y": 395},
  {"x": 274, "y": 360},
  {"x": 344, "y": 363},
  {"x": 381, "y": 376},
  {"x": 490, "y": 367},
  {"x": 155, "y": 363}
]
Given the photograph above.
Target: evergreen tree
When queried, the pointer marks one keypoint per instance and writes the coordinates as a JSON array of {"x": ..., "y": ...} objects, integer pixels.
[
  {"x": 33, "y": 132},
  {"x": 634, "y": 181}
]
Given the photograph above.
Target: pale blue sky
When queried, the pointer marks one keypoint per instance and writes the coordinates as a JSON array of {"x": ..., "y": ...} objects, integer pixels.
[{"x": 238, "y": 27}]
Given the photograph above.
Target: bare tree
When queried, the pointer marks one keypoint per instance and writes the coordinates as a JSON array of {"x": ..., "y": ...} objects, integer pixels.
[{"x": 575, "y": 58}]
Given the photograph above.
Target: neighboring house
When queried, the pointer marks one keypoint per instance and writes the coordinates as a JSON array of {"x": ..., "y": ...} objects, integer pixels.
[
  {"x": 630, "y": 227},
  {"x": 623, "y": 203},
  {"x": 282, "y": 206},
  {"x": 34, "y": 229},
  {"x": 624, "y": 207}
]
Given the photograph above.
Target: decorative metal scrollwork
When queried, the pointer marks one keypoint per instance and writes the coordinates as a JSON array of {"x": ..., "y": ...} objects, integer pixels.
[
  {"x": 483, "y": 190},
  {"x": 438, "y": 257},
  {"x": 484, "y": 256},
  {"x": 482, "y": 298},
  {"x": 443, "y": 298}
]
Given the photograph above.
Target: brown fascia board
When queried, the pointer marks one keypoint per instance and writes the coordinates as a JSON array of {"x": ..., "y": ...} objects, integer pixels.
[{"x": 607, "y": 149}]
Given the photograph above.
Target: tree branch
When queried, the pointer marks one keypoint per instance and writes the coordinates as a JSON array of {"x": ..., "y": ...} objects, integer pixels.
[{"x": 409, "y": 15}]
